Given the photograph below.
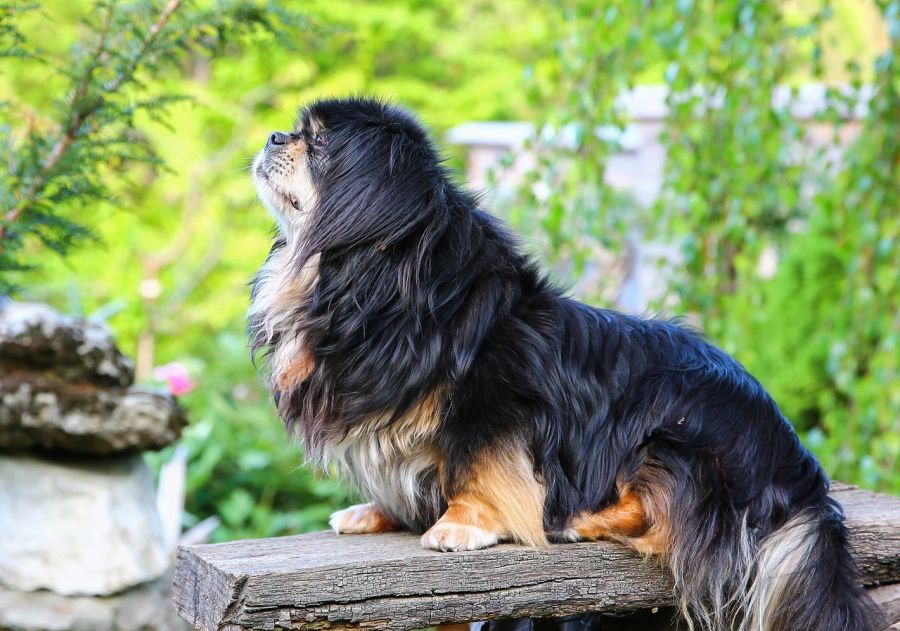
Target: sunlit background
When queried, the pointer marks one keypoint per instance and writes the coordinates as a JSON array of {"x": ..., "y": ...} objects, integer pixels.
[{"x": 734, "y": 162}]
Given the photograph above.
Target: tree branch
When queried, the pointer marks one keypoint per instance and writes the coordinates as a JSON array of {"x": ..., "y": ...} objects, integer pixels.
[{"x": 80, "y": 116}]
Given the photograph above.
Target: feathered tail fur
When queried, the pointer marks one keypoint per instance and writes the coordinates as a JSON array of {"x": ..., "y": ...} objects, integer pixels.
[{"x": 800, "y": 577}]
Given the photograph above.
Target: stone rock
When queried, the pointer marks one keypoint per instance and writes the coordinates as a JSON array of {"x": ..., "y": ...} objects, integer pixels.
[
  {"x": 85, "y": 526},
  {"x": 40, "y": 410},
  {"x": 35, "y": 337},
  {"x": 147, "y": 607}
]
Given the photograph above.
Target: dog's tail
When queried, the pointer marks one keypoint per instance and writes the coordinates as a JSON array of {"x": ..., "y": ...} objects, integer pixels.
[
  {"x": 803, "y": 578},
  {"x": 799, "y": 577}
]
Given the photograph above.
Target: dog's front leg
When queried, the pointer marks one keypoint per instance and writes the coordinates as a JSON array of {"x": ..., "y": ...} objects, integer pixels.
[{"x": 496, "y": 497}]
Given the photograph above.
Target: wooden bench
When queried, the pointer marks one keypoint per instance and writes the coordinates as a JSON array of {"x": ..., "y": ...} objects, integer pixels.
[{"x": 325, "y": 581}]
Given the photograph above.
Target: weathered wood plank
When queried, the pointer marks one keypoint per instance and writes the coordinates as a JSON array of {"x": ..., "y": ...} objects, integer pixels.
[
  {"x": 321, "y": 580},
  {"x": 888, "y": 600}
]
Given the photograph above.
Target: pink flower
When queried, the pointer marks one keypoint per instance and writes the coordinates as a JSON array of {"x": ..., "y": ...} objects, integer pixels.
[{"x": 176, "y": 377}]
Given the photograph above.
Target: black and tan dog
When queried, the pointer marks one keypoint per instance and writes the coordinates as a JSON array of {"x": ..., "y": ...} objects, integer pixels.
[{"x": 415, "y": 347}]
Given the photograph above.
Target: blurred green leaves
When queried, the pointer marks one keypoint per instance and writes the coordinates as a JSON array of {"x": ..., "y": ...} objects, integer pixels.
[
  {"x": 745, "y": 178},
  {"x": 60, "y": 156}
]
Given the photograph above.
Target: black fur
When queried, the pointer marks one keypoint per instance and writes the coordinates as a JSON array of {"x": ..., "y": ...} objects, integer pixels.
[{"x": 419, "y": 291}]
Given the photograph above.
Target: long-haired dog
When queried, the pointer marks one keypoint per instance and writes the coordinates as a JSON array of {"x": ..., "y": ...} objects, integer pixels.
[{"x": 416, "y": 348}]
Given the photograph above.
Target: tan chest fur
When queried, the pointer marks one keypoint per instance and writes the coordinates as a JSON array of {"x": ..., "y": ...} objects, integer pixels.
[{"x": 276, "y": 314}]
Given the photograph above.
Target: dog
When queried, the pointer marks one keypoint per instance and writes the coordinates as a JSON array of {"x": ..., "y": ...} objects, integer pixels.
[{"x": 414, "y": 347}]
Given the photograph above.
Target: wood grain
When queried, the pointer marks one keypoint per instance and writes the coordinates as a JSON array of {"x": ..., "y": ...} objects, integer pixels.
[{"x": 322, "y": 581}]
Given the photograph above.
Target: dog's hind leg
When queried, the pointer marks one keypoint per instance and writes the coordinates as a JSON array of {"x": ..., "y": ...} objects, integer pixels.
[
  {"x": 625, "y": 518},
  {"x": 639, "y": 518}
]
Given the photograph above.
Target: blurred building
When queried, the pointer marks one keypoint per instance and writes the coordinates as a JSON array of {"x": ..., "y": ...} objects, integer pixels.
[{"x": 498, "y": 156}]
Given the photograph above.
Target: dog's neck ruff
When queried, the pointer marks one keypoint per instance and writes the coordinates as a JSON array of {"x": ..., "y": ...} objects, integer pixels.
[
  {"x": 276, "y": 318},
  {"x": 390, "y": 457}
]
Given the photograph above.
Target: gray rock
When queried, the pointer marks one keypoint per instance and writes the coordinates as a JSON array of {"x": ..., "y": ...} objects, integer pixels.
[
  {"x": 35, "y": 337},
  {"x": 86, "y": 526},
  {"x": 39, "y": 410},
  {"x": 147, "y": 607}
]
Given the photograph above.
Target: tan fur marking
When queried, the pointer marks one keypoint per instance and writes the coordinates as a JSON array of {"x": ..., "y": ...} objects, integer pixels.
[
  {"x": 296, "y": 371},
  {"x": 469, "y": 510},
  {"x": 656, "y": 542},
  {"x": 502, "y": 497},
  {"x": 278, "y": 295},
  {"x": 654, "y": 486},
  {"x": 421, "y": 421},
  {"x": 625, "y": 518},
  {"x": 640, "y": 519}
]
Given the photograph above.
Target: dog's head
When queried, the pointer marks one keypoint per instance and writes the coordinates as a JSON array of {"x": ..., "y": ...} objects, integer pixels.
[
  {"x": 352, "y": 170},
  {"x": 283, "y": 173}
]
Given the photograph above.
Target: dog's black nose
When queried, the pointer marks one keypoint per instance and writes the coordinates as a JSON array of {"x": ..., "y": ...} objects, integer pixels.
[{"x": 277, "y": 138}]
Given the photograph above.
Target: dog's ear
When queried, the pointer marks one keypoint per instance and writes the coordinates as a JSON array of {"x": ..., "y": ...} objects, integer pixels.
[{"x": 379, "y": 187}]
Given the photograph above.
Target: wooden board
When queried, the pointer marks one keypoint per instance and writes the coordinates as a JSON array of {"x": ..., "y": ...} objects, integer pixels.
[{"x": 322, "y": 580}]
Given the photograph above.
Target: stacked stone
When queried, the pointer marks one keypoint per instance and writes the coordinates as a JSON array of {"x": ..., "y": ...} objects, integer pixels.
[{"x": 81, "y": 541}]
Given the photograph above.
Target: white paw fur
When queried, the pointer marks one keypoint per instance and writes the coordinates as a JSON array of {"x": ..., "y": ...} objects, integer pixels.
[
  {"x": 357, "y": 519},
  {"x": 450, "y": 536}
]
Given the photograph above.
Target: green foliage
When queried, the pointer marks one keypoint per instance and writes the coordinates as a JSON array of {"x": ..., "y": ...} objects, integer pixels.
[
  {"x": 825, "y": 328},
  {"x": 823, "y": 333},
  {"x": 171, "y": 248},
  {"x": 452, "y": 61},
  {"x": 732, "y": 178},
  {"x": 13, "y": 42},
  {"x": 841, "y": 279},
  {"x": 565, "y": 206},
  {"x": 60, "y": 160}
]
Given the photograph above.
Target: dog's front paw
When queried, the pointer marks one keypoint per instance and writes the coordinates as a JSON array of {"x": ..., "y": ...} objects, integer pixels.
[
  {"x": 450, "y": 536},
  {"x": 361, "y": 519}
]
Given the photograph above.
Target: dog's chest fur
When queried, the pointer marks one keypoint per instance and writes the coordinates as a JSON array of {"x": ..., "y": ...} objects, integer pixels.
[
  {"x": 276, "y": 312},
  {"x": 395, "y": 465}
]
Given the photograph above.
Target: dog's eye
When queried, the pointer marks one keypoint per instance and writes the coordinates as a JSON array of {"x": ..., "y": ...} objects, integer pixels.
[{"x": 319, "y": 140}]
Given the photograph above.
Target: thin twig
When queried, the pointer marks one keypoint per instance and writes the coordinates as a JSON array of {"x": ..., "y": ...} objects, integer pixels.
[
  {"x": 75, "y": 119},
  {"x": 154, "y": 30}
]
